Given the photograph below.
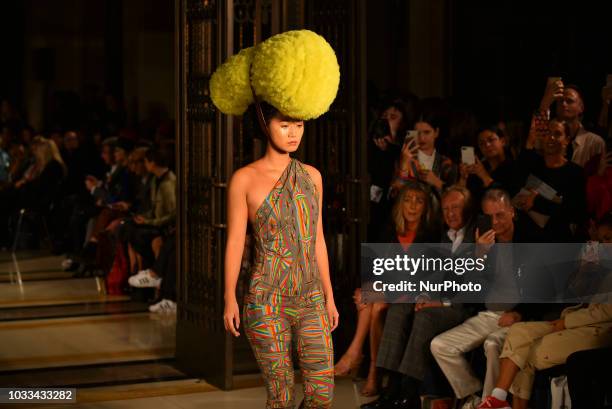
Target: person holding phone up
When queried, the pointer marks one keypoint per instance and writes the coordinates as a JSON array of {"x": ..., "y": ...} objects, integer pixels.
[
  {"x": 586, "y": 149},
  {"x": 420, "y": 160},
  {"x": 496, "y": 169}
]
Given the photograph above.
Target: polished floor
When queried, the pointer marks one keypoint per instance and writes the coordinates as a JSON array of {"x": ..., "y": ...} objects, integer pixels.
[{"x": 57, "y": 330}]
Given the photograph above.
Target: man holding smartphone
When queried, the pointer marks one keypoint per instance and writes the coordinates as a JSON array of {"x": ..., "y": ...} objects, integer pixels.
[
  {"x": 490, "y": 326},
  {"x": 586, "y": 148}
]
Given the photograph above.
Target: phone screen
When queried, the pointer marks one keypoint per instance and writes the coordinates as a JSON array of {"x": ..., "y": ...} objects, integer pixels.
[
  {"x": 467, "y": 155},
  {"x": 411, "y": 135}
]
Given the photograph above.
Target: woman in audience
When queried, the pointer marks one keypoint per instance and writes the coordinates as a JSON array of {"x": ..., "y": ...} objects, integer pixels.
[
  {"x": 496, "y": 170},
  {"x": 420, "y": 160},
  {"x": 410, "y": 222}
]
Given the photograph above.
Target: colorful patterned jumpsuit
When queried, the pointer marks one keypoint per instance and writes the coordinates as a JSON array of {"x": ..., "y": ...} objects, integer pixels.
[{"x": 285, "y": 305}]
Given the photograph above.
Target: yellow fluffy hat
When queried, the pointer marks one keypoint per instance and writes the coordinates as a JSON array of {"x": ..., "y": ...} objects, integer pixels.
[{"x": 296, "y": 72}]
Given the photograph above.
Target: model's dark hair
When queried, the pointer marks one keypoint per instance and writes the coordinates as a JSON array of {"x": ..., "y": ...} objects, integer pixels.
[{"x": 269, "y": 112}]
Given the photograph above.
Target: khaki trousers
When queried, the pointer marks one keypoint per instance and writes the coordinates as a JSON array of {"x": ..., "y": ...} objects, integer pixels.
[{"x": 533, "y": 346}]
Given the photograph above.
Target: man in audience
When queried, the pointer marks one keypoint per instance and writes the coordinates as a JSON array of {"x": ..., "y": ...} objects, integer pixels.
[
  {"x": 456, "y": 211},
  {"x": 491, "y": 325},
  {"x": 160, "y": 217},
  {"x": 586, "y": 148},
  {"x": 532, "y": 346}
]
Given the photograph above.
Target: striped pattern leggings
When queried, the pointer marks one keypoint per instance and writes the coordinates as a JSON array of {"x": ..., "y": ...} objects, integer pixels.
[{"x": 272, "y": 330}]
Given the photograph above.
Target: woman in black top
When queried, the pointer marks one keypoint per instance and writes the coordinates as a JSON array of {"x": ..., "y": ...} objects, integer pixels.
[{"x": 496, "y": 170}]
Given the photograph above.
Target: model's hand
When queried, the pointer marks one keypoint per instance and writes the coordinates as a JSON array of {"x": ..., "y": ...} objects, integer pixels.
[
  {"x": 332, "y": 313},
  {"x": 231, "y": 317},
  {"x": 508, "y": 318}
]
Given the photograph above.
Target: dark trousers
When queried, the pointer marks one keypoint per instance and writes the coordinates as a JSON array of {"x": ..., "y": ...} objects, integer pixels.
[
  {"x": 406, "y": 337},
  {"x": 589, "y": 378},
  {"x": 165, "y": 267},
  {"x": 140, "y": 237}
]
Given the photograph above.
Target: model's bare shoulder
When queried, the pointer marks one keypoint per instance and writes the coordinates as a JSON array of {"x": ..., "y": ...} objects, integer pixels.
[
  {"x": 242, "y": 177},
  {"x": 314, "y": 173},
  {"x": 315, "y": 176}
]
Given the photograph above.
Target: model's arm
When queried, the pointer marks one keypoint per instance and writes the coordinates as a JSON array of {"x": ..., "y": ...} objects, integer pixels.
[
  {"x": 321, "y": 255},
  {"x": 237, "y": 218}
]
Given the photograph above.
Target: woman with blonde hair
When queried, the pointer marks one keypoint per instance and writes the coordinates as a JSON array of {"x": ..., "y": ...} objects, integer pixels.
[{"x": 411, "y": 221}]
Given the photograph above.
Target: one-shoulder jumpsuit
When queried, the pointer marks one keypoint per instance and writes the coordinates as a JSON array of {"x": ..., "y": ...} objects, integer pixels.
[{"x": 285, "y": 306}]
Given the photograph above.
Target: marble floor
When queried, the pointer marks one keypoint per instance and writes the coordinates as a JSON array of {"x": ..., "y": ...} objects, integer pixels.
[{"x": 59, "y": 330}]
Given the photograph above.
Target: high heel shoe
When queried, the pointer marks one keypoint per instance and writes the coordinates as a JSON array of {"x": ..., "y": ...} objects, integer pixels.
[{"x": 346, "y": 366}]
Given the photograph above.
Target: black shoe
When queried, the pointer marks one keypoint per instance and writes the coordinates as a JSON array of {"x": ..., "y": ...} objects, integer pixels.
[
  {"x": 383, "y": 402},
  {"x": 403, "y": 403}
]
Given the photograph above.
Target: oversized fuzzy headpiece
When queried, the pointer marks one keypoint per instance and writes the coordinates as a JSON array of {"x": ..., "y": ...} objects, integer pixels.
[{"x": 296, "y": 72}]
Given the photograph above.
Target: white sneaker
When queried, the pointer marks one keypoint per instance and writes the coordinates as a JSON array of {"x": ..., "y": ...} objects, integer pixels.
[
  {"x": 164, "y": 306},
  {"x": 144, "y": 279},
  {"x": 471, "y": 402}
]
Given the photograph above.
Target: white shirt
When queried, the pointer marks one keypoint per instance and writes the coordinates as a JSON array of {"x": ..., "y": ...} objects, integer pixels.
[
  {"x": 456, "y": 237},
  {"x": 425, "y": 160}
]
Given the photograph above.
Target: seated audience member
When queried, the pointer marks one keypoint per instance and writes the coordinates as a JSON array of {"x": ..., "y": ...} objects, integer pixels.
[
  {"x": 488, "y": 327},
  {"x": 409, "y": 328},
  {"x": 420, "y": 160},
  {"x": 457, "y": 213},
  {"x": 585, "y": 148},
  {"x": 161, "y": 275},
  {"x": 563, "y": 217},
  {"x": 410, "y": 222},
  {"x": 146, "y": 227},
  {"x": 76, "y": 163},
  {"x": 532, "y": 346},
  {"x": 118, "y": 184},
  {"x": 496, "y": 170}
]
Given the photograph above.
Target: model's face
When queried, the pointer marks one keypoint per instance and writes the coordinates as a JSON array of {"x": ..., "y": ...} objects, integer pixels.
[
  {"x": 427, "y": 136},
  {"x": 413, "y": 206},
  {"x": 570, "y": 107},
  {"x": 490, "y": 144},
  {"x": 556, "y": 140},
  {"x": 502, "y": 215},
  {"x": 452, "y": 210},
  {"x": 286, "y": 135}
]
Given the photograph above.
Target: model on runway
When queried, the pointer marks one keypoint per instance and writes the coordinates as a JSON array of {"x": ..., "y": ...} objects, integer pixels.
[{"x": 289, "y": 299}]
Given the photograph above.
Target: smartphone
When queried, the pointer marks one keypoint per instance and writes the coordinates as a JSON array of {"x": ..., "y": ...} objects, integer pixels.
[
  {"x": 484, "y": 223},
  {"x": 411, "y": 135},
  {"x": 467, "y": 155}
]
